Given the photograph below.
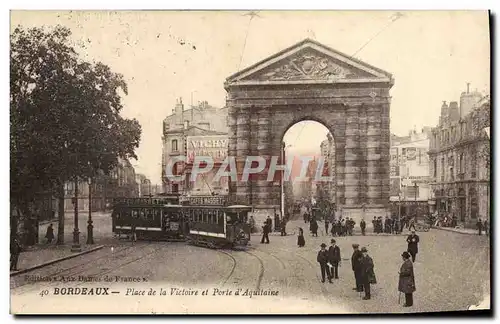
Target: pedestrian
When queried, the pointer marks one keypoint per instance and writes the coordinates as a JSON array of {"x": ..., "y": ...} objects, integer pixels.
[
  {"x": 283, "y": 225},
  {"x": 327, "y": 225},
  {"x": 374, "y": 222},
  {"x": 252, "y": 224},
  {"x": 356, "y": 267},
  {"x": 265, "y": 232},
  {"x": 406, "y": 283},
  {"x": 314, "y": 227},
  {"x": 413, "y": 240},
  {"x": 412, "y": 224},
  {"x": 362, "y": 224},
  {"x": 300, "y": 239},
  {"x": 50, "y": 233},
  {"x": 15, "y": 251},
  {"x": 334, "y": 259},
  {"x": 323, "y": 260},
  {"x": 269, "y": 222},
  {"x": 479, "y": 226},
  {"x": 367, "y": 273}
]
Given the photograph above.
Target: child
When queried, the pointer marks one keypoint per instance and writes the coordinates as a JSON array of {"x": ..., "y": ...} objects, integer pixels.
[{"x": 300, "y": 240}]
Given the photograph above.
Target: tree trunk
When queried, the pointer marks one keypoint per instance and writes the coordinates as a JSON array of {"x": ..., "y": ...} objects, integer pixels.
[{"x": 60, "y": 215}]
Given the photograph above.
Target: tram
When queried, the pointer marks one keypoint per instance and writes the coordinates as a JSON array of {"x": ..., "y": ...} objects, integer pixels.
[
  {"x": 200, "y": 220},
  {"x": 151, "y": 218}
]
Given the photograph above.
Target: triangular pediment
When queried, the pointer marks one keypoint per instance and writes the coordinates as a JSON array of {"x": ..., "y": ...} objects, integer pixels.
[{"x": 306, "y": 62}]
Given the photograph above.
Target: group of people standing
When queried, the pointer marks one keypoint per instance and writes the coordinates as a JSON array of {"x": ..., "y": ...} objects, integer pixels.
[
  {"x": 363, "y": 267},
  {"x": 340, "y": 227}
]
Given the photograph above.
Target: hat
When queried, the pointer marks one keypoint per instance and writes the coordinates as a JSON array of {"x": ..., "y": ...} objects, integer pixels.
[
  {"x": 355, "y": 245},
  {"x": 323, "y": 245},
  {"x": 405, "y": 255},
  {"x": 363, "y": 249},
  {"x": 333, "y": 241}
]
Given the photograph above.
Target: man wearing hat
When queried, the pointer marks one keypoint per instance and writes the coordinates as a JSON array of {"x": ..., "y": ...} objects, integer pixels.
[
  {"x": 406, "y": 283},
  {"x": 356, "y": 266},
  {"x": 367, "y": 274},
  {"x": 323, "y": 260},
  {"x": 412, "y": 241},
  {"x": 334, "y": 259}
]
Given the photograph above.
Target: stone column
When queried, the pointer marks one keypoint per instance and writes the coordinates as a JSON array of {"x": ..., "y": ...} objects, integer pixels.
[
  {"x": 263, "y": 138},
  {"x": 339, "y": 170},
  {"x": 363, "y": 131},
  {"x": 385, "y": 154},
  {"x": 242, "y": 151},
  {"x": 232, "y": 140},
  {"x": 374, "y": 177},
  {"x": 352, "y": 157},
  {"x": 253, "y": 151}
]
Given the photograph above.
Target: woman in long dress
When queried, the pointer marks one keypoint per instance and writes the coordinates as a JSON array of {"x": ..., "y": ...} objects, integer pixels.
[{"x": 300, "y": 240}]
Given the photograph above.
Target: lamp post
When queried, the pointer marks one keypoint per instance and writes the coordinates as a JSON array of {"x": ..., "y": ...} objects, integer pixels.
[
  {"x": 416, "y": 205},
  {"x": 283, "y": 181},
  {"x": 76, "y": 232},
  {"x": 90, "y": 227}
]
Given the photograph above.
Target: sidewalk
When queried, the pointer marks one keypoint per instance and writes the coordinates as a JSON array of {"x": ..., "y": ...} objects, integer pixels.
[
  {"x": 43, "y": 255},
  {"x": 458, "y": 230}
]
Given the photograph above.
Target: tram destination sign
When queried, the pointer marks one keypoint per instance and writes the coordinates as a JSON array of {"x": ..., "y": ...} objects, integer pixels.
[{"x": 207, "y": 200}]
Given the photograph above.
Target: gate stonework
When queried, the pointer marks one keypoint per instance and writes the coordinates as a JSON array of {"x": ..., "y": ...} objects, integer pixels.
[{"x": 310, "y": 81}]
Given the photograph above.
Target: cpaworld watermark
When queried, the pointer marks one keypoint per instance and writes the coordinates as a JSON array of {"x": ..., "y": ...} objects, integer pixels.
[{"x": 300, "y": 168}]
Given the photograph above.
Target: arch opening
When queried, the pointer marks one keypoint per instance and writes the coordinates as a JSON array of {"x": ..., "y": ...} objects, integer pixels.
[{"x": 308, "y": 150}]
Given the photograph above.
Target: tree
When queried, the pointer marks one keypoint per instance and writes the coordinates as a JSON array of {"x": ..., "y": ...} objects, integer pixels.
[{"x": 65, "y": 117}]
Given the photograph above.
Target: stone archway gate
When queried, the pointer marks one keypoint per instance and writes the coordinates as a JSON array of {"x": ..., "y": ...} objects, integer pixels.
[{"x": 310, "y": 81}]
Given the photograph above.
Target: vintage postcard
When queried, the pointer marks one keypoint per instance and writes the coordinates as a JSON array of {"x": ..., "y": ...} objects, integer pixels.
[{"x": 249, "y": 162}]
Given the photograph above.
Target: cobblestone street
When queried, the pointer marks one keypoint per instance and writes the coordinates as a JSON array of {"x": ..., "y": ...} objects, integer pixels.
[{"x": 294, "y": 272}]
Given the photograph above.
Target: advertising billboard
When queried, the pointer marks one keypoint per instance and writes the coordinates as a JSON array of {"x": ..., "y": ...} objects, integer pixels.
[{"x": 214, "y": 146}]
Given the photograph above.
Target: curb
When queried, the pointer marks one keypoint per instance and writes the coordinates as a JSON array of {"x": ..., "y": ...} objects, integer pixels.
[
  {"x": 15, "y": 273},
  {"x": 451, "y": 230}
]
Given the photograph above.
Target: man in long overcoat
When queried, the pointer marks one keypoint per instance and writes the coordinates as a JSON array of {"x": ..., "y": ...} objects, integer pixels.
[
  {"x": 15, "y": 251},
  {"x": 356, "y": 266},
  {"x": 323, "y": 260},
  {"x": 412, "y": 241},
  {"x": 334, "y": 259},
  {"x": 407, "y": 279},
  {"x": 362, "y": 224},
  {"x": 265, "y": 233},
  {"x": 50, "y": 233},
  {"x": 367, "y": 273}
]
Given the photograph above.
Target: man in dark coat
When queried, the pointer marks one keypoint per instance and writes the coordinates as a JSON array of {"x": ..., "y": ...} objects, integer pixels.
[
  {"x": 356, "y": 266},
  {"x": 407, "y": 279},
  {"x": 50, "y": 233},
  {"x": 269, "y": 222},
  {"x": 323, "y": 260},
  {"x": 265, "y": 233},
  {"x": 327, "y": 224},
  {"x": 367, "y": 274},
  {"x": 479, "y": 226},
  {"x": 15, "y": 251},
  {"x": 413, "y": 240},
  {"x": 362, "y": 224},
  {"x": 314, "y": 227},
  {"x": 334, "y": 259},
  {"x": 374, "y": 222}
]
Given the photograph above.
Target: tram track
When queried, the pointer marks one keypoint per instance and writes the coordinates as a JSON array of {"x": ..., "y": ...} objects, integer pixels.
[
  {"x": 232, "y": 268},
  {"x": 261, "y": 272},
  {"x": 82, "y": 267}
]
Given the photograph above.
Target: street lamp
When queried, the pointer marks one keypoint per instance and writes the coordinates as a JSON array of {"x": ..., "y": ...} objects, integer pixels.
[
  {"x": 90, "y": 227},
  {"x": 76, "y": 232},
  {"x": 283, "y": 181}
]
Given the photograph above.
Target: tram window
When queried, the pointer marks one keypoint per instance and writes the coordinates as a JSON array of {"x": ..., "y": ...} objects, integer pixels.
[
  {"x": 243, "y": 217},
  {"x": 135, "y": 213},
  {"x": 231, "y": 217},
  {"x": 220, "y": 218},
  {"x": 209, "y": 217}
]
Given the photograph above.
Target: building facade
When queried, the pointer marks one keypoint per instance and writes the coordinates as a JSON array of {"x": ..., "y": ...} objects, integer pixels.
[
  {"x": 200, "y": 120},
  {"x": 119, "y": 183},
  {"x": 460, "y": 159},
  {"x": 410, "y": 182},
  {"x": 326, "y": 190}
]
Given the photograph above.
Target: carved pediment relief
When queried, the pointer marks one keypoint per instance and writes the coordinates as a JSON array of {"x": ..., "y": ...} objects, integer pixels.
[{"x": 309, "y": 61}]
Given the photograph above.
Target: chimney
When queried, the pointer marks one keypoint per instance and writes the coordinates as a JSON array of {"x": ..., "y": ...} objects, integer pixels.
[{"x": 468, "y": 85}]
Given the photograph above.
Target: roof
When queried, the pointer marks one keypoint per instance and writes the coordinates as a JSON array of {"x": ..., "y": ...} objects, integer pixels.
[{"x": 305, "y": 44}]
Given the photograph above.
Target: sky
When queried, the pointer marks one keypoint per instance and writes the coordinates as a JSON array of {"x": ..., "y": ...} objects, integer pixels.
[{"x": 165, "y": 55}]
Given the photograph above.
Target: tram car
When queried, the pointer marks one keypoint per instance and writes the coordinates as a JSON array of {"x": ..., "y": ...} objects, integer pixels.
[
  {"x": 218, "y": 226},
  {"x": 151, "y": 221}
]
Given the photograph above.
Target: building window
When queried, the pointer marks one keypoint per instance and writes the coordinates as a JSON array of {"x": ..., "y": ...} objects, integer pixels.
[
  {"x": 473, "y": 203},
  {"x": 473, "y": 163},
  {"x": 442, "y": 169},
  {"x": 461, "y": 163},
  {"x": 174, "y": 145},
  {"x": 175, "y": 188}
]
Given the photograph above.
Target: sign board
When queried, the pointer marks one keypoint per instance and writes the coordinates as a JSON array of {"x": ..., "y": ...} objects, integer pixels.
[
  {"x": 214, "y": 146},
  {"x": 207, "y": 200}
]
